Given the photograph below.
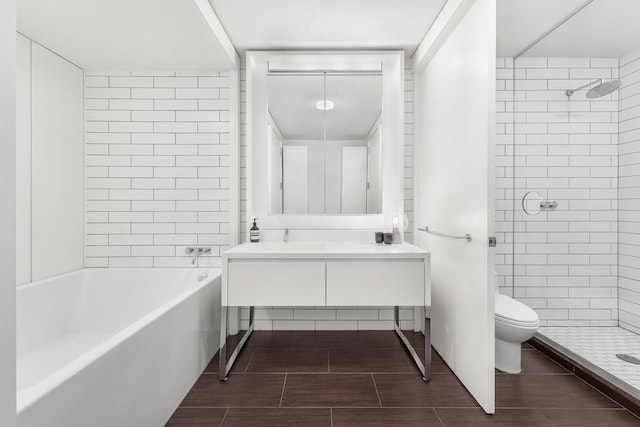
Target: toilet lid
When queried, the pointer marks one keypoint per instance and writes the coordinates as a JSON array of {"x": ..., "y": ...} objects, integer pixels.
[{"x": 510, "y": 309}]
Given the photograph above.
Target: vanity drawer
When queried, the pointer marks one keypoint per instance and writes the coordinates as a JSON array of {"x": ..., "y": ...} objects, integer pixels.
[
  {"x": 379, "y": 283},
  {"x": 276, "y": 283}
]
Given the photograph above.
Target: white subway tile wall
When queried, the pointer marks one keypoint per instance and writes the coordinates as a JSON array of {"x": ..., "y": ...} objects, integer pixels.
[
  {"x": 242, "y": 152},
  {"x": 504, "y": 177},
  {"x": 329, "y": 318},
  {"x": 156, "y": 168},
  {"x": 562, "y": 262},
  {"x": 629, "y": 193},
  {"x": 408, "y": 148}
]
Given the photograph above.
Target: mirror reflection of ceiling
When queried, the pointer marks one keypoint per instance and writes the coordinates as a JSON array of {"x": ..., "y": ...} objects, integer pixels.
[
  {"x": 357, "y": 103},
  {"x": 603, "y": 28}
]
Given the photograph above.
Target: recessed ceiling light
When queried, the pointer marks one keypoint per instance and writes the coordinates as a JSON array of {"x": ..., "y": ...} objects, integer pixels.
[{"x": 324, "y": 105}]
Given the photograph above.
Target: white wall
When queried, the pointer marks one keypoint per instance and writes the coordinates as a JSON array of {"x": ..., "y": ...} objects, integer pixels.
[
  {"x": 629, "y": 193},
  {"x": 157, "y": 167},
  {"x": 567, "y": 150},
  {"x": 56, "y": 164},
  {"x": 332, "y": 177},
  {"x": 295, "y": 178},
  {"x": 374, "y": 169},
  {"x": 7, "y": 213},
  {"x": 275, "y": 168},
  {"x": 23, "y": 159},
  {"x": 323, "y": 186},
  {"x": 49, "y": 158},
  {"x": 455, "y": 111},
  {"x": 354, "y": 180}
]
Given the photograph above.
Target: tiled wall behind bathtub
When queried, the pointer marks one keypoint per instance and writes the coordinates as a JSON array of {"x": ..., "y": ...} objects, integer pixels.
[
  {"x": 244, "y": 227},
  {"x": 156, "y": 168},
  {"x": 629, "y": 193},
  {"x": 330, "y": 318},
  {"x": 567, "y": 150}
]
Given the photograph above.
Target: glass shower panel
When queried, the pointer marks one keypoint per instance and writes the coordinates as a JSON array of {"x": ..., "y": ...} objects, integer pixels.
[
  {"x": 565, "y": 187},
  {"x": 572, "y": 185},
  {"x": 568, "y": 147},
  {"x": 504, "y": 175}
]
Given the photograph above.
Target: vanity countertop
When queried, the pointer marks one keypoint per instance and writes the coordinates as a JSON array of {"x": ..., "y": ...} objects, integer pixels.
[{"x": 351, "y": 250}]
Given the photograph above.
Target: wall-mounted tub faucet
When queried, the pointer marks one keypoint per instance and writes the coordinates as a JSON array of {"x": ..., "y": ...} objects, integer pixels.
[{"x": 196, "y": 252}]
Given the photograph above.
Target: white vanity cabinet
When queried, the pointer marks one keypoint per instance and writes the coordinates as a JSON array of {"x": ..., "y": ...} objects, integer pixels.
[
  {"x": 275, "y": 282},
  {"x": 376, "y": 283},
  {"x": 349, "y": 282},
  {"x": 324, "y": 274}
]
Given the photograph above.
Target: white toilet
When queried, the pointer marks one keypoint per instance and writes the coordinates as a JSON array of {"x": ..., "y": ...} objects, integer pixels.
[{"x": 515, "y": 323}]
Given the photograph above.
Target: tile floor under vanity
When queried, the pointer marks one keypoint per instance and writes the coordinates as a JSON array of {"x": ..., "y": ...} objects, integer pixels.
[{"x": 346, "y": 378}]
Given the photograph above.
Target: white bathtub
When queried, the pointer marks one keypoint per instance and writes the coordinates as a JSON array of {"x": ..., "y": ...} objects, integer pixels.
[{"x": 113, "y": 347}]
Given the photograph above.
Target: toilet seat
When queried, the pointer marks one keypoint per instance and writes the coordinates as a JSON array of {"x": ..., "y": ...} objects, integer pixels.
[
  {"x": 511, "y": 322},
  {"x": 513, "y": 312}
]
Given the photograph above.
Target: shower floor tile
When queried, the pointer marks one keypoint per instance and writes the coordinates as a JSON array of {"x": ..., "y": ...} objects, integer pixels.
[{"x": 599, "y": 345}]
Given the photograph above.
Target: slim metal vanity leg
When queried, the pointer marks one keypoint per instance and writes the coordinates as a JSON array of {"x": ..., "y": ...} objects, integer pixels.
[
  {"x": 407, "y": 344},
  {"x": 427, "y": 349},
  {"x": 222, "y": 353},
  {"x": 396, "y": 317},
  {"x": 225, "y": 368}
]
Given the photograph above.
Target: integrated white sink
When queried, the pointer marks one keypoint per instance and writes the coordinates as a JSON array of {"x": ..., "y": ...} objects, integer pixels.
[
  {"x": 275, "y": 247},
  {"x": 307, "y": 249}
]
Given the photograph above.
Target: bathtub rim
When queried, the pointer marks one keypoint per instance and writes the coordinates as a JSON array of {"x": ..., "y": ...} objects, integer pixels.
[
  {"x": 50, "y": 279},
  {"x": 28, "y": 396}
]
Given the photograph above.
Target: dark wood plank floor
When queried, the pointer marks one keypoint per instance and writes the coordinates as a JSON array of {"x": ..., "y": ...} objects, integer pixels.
[{"x": 366, "y": 378}]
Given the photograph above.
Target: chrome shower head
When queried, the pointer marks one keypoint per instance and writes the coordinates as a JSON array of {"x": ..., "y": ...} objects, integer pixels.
[{"x": 602, "y": 89}]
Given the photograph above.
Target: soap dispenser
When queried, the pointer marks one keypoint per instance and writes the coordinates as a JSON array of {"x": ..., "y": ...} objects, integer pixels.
[
  {"x": 397, "y": 237},
  {"x": 254, "y": 232}
]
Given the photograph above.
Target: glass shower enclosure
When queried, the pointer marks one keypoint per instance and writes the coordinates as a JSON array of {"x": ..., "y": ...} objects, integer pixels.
[{"x": 568, "y": 200}]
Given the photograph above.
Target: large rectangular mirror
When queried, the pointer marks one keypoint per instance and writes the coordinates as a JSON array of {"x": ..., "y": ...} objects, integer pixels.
[{"x": 325, "y": 139}]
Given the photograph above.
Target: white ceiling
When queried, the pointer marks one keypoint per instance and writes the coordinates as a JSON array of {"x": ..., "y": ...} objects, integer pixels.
[
  {"x": 327, "y": 24},
  {"x": 604, "y": 28},
  {"x": 124, "y": 34},
  {"x": 520, "y": 22},
  {"x": 172, "y": 35},
  {"x": 357, "y": 104}
]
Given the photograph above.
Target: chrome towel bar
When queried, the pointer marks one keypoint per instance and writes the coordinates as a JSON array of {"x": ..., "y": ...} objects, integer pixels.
[{"x": 466, "y": 237}]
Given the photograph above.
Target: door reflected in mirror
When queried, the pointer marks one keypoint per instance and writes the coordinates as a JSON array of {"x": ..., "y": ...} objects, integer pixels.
[{"x": 325, "y": 142}]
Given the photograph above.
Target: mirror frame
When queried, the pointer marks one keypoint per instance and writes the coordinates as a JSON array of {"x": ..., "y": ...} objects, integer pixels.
[{"x": 258, "y": 63}]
